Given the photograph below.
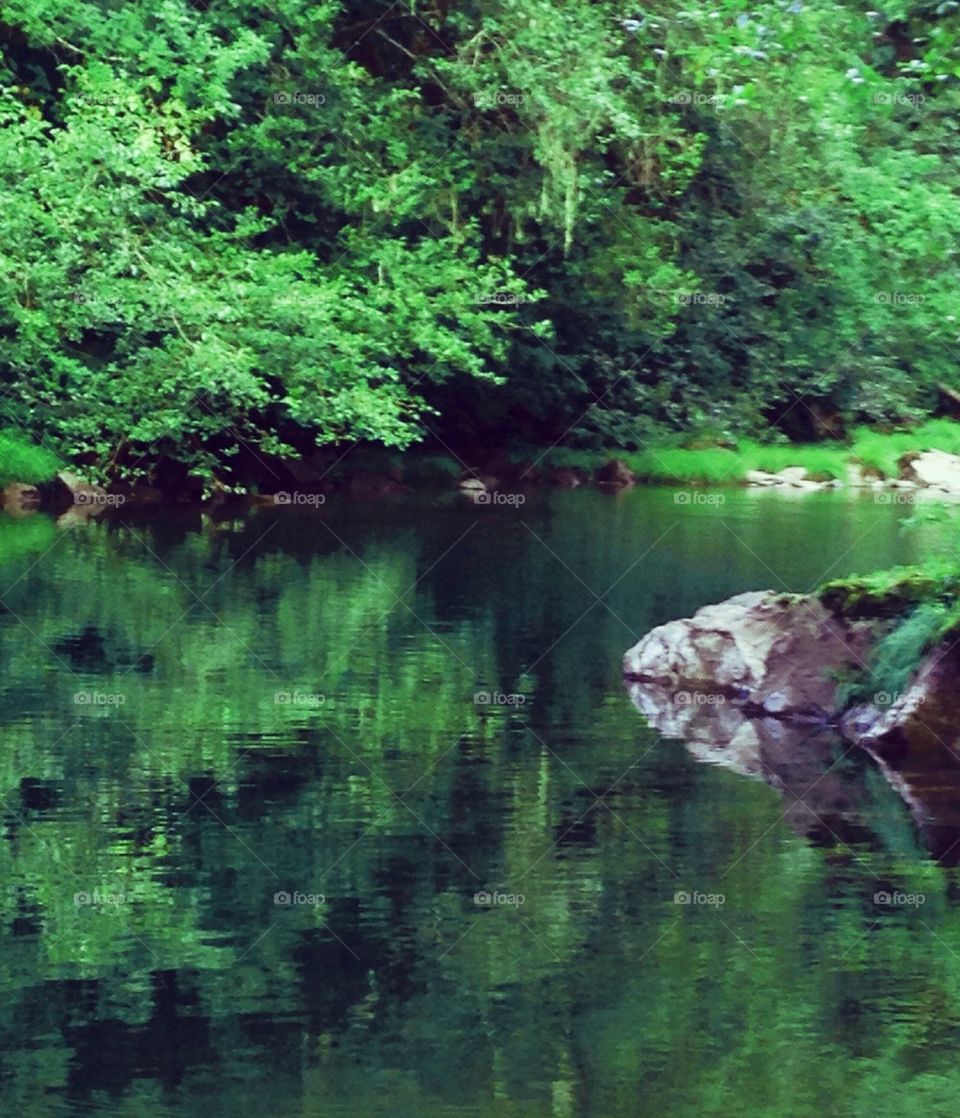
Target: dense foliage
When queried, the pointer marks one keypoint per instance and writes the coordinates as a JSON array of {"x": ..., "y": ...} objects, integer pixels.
[{"x": 232, "y": 228}]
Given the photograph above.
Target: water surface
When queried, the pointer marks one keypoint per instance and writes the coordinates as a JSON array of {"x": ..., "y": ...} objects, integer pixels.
[{"x": 381, "y": 711}]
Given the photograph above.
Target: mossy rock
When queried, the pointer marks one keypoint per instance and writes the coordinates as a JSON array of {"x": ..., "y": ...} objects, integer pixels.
[{"x": 886, "y": 594}]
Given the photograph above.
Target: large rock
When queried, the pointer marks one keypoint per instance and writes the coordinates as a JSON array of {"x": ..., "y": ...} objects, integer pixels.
[
  {"x": 19, "y": 498},
  {"x": 776, "y": 653},
  {"x": 761, "y": 477},
  {"x": 934, "y": 469},
  {"x": 68, "y": 491},
  {"x": 715, "y": 680},
  {"x": 791, "y": 478}
]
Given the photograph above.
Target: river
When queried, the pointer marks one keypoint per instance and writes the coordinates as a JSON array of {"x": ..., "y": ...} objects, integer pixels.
[{"x": 347, "y": 812}]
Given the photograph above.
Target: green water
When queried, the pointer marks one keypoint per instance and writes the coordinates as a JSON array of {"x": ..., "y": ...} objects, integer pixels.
[{"x": 200, "y": 714}]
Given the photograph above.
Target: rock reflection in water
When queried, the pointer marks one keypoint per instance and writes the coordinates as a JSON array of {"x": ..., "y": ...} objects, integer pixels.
[{"x": 823, "y": 799}]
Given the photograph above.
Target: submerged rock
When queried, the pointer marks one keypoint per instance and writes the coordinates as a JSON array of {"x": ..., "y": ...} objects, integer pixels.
[
  {"x": 615, "y": 475},
  {"x": 762, "y": 478},
  {"x": 775, "y": 653},
  {"x": 474, "y": 483},
  {"x": 791, "y": 477}
]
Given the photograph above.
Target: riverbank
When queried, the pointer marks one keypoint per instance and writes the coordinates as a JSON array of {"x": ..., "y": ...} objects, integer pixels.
[{"x": 925, "y": 457}]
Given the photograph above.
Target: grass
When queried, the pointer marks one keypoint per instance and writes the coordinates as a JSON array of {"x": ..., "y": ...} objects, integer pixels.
[
  {"x": 677, "y": 459},
  {"x": 21, "y": 460},
  {"x": 882, "y": 452},
  {"x": 893, "y": 592},
  {"x": 672, "y": 462},
  {"x": 922, "y": 601},
  {"x": 898, "y": 654}
]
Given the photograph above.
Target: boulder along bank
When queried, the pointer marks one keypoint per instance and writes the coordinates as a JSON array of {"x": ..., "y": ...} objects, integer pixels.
[{"x": 763, "y": 682}]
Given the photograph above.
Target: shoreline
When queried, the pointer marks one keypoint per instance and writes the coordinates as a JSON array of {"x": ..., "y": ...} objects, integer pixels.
[{"x": 923, "y": 461}]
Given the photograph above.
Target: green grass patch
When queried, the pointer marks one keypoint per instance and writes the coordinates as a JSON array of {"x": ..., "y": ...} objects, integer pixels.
[
  {"x": 21, "y": 460},
  {"x": 703, "y": 466},
  {"x": 897, "y": 655},
  {"x": 882, "y": 451},
  {"x": 725, "y": 466},
  {"x": 893, "y": 592},
  {"x": 685, "y": 460},
  {"x": 822, "y": 461},
  {"x": 924, "y": 604}
]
